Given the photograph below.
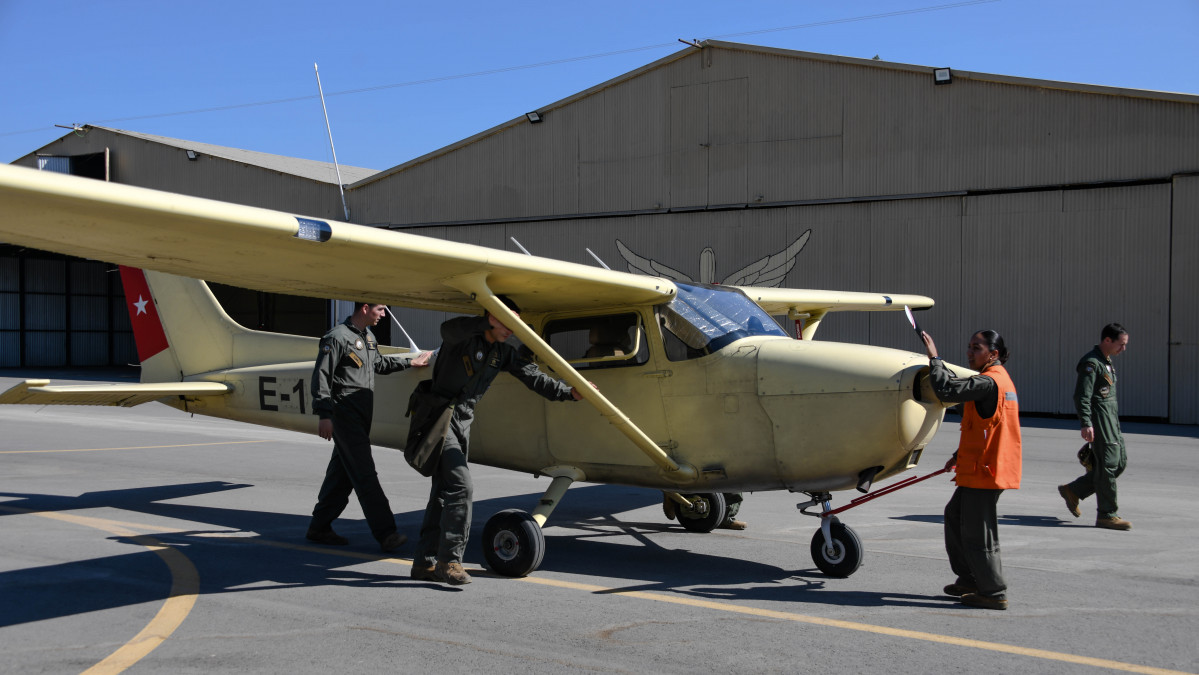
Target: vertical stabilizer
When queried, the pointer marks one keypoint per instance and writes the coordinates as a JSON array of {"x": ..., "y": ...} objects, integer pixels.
[{"x": 181, "y": 330}]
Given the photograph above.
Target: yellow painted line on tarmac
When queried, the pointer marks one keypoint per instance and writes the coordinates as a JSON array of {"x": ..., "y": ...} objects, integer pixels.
[
  {"x": 137, "y": 447},
  {"x": 185, "y": 586},
  {"x": 792, "y": 616},
  {"x": 864, "y": 627},
  {"x": 183, "y": 574}
]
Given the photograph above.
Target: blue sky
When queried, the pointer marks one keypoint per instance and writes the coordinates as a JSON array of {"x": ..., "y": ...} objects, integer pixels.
[{"x": 405, "y": 78}]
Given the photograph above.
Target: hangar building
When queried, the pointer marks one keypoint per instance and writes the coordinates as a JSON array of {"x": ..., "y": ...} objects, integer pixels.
[{"x": 1040, "y": 209}]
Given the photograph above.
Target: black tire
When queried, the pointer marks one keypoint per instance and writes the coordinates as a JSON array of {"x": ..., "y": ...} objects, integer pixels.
[
  {"x": 847, "y": 553},
  {"x": 709, "y": 512},
  {"x": 513, "y": 543}
]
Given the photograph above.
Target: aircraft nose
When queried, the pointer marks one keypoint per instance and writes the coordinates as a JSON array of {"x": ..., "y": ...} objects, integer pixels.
[{"x": 839, "y": 409}]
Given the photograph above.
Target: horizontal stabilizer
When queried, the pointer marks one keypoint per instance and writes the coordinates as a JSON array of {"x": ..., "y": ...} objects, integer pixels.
[
  {"x": 780, "y": 301},
  {"x": 39, "y": 392}
]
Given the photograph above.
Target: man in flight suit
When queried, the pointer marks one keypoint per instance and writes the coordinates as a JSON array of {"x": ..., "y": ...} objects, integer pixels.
[
  {"x": 343, "y": 384},
  {"x": 1095, "y": 400},
  {"x": 471, "y": 345}
]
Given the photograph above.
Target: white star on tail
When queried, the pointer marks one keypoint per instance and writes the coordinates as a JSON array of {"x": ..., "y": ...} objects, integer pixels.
[{"x": 141, "y": 305}]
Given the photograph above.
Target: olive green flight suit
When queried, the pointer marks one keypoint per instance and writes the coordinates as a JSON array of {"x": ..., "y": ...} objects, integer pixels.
[
  {"x": 464, "y": 352},
  {"x": 1095, "y": 400},
  {"x": 343, "y": 390}
]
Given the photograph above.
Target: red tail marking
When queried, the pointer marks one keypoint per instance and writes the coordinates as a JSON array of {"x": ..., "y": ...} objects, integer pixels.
[{"x": 143, "y": 315}]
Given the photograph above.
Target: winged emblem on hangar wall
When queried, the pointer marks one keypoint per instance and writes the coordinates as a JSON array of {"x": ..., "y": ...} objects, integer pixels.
[{"x": 768, "y": 271}]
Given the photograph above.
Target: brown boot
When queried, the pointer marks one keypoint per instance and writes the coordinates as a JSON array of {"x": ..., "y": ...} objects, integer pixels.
[
  {"x": 958, "y": 590},
  {"x": 452, "y": 574},
  {"x": 424, "y": 572},
  {"x": 1113, "y": 523},
  {"x": 1071, "y": 499},
  {"x": 984, "y": 601},
  {"x": 668, "y": 508},
  {"x": 734, "y": 525}
]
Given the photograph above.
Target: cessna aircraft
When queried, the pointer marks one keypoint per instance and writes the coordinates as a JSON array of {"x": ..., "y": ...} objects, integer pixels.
[{"x": 700, "y": 392}]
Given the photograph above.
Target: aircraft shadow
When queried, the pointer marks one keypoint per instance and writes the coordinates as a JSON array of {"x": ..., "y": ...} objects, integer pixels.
[{"x": 245, "y": 551}]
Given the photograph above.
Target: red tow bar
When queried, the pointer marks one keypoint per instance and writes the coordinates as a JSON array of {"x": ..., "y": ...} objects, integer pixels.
[{"x": 884, "y": 491}]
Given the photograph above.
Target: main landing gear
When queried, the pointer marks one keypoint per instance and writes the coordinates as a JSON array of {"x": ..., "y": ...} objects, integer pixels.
[
  {"x": 513, "y": 543},
  {"x": 836, "y": 548}
]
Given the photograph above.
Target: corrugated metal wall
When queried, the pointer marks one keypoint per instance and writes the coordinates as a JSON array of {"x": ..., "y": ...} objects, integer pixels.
[
  {"x": 751, "y": 126},
  {"x": 1184, "y": 303},
  {"x": 56, "y": 311},
  {"x": 1041, "y": 210}
]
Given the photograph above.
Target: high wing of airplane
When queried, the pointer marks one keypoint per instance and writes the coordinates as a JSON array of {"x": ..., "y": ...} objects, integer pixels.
[{"x": 699, "y": 392}]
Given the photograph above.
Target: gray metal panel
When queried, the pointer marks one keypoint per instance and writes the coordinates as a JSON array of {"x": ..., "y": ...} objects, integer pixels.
[
  {"x": 1116, "y": 244},
  {"x": 10, "y": 311},
  {"x": 915, "y": 246},
  {"x": 124, "y": 350},
  {"x": 811, "y": 127},
  {"x": 89, "y": 312},
  {"x": 1184, "y": 306},
  {"x": 10, "y": 273},
  {"x": 43, "y": 348},
  {"x": 727, "y": 147},
  {"x": 1023, "y": 301},
  {"x": 324, "y": 172},
  {"x": 45, "y": 312},
  {"x": 10, "y": 350},
  {"x": 89, "y": 349},
  {"x": 688, "y": 145},
  {"x": 89, "y": 277},
  {"x": 119, "y": 315},
  {"x": 43, "y": 275}
]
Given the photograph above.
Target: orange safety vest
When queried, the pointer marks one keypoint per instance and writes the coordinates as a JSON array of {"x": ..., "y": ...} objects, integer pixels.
[{"x": 989, "y": 453}]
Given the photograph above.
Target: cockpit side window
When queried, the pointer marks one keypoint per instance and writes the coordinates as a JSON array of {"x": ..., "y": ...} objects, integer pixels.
[{"x": 591, "y": 342}]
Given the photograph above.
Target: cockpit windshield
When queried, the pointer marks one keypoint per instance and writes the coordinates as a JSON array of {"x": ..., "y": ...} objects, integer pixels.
[{"x": 706, "y": 318}]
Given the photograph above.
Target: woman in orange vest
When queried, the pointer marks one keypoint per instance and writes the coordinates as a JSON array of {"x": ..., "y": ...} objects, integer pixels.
[{"x": 988, "y": 462}]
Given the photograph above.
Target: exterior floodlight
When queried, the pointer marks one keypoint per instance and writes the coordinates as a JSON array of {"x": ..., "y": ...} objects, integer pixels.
[
  {"x": 191, "y": 155},
  {"x": 534, "y": 117},
  {"x": 942, "y": 76}
]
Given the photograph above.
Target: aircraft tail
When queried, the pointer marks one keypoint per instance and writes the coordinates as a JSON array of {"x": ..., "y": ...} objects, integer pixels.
[{"x": 181, "y": 330}]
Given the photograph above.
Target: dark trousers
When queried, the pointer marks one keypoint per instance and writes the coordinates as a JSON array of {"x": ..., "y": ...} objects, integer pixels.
[
  {"x": 1108, "y": 462},
  {"x": 446, "y": 527},
  {"x": 972, "y": 540},
  {"x": 352, "y": 469}
]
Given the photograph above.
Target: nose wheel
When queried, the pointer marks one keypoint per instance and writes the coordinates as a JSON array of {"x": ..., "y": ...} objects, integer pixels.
[
  {"x": 842, "y": 554},
  {"x": 836, "y": 548}
]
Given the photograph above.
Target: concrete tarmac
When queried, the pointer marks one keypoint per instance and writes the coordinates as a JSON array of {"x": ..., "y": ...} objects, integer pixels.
[{"x": 146, "y": 540}]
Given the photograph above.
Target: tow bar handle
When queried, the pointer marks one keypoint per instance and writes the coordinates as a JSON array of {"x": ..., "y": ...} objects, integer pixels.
[{"x": 885, "y": 491}]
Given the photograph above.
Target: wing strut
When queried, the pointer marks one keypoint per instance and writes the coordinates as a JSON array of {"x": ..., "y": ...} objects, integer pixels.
[{"x": 476, "y": 286}]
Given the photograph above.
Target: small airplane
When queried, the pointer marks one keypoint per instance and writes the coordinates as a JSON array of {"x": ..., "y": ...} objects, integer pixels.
[{"x": 700, "y": 392}]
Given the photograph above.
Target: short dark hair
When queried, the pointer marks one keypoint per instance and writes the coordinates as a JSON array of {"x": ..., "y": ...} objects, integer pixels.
[
  {"x": 994, "y": 342},
  {"x": 1112, "y": 332},
  {"x": 508, "y": 302}
]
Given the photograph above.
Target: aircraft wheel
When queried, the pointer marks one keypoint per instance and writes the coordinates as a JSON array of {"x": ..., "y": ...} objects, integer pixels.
[
  {"x": 513, "y": 543},
  {"x": 709, "y": 511},
  {"x": 847, "y": 553}
]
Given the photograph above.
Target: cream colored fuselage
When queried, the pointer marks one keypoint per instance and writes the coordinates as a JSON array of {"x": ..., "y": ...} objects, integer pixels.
[{"x": 762, "y": 413}]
